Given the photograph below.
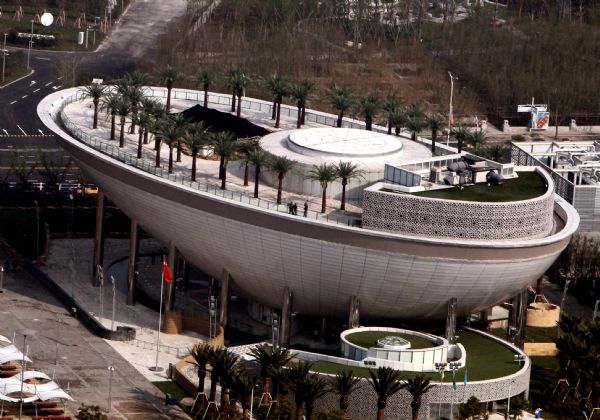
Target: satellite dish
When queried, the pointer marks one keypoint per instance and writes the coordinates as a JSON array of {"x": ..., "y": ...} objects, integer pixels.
[{"x": 47, "y": 19}]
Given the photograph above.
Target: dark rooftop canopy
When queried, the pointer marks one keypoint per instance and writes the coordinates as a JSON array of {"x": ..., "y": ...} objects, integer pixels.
[{"x": 223, "y": 121}]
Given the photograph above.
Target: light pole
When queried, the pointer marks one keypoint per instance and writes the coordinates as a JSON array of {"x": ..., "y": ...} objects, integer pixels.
[
  {"x": 112, "y": 323},
  {"x": 1, "y": 278},
  {"x": 4, "y": 58},
  {"x": 37, "y": 228},
  {"x": 508, "y": 400},
  {"x": 25, "y": 332},
  {"x": 520, "y": 358},
  {"x": 440, "y": 367},
  {"x": 111, "y": 369},
  {"x": 30, "y": 45},
  {"x": 454, "y": 366},
  {"x": 275, "y": 330},
  {"x": 451, "y": 110}
]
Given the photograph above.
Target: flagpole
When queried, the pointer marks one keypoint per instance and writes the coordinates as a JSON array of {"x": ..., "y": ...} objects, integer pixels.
[{"x": 162, "y": 280}]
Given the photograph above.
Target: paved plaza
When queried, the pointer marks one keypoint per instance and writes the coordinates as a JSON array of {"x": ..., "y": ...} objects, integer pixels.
[{"x": 78, "y": 359}]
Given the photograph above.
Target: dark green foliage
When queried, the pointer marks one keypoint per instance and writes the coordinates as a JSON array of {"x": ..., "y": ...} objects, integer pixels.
[{"x": 90, "y": 412}]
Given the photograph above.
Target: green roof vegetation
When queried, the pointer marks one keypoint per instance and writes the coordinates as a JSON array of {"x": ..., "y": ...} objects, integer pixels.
[
  {"x": 533, "y": 334},
  {"x": 368, "y": 339},
  {"x": 486, "y": 359},
  {"x": 527, "y": 186}
]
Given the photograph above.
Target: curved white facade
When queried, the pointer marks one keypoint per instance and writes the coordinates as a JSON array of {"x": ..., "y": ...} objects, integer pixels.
[{"x": 323, "y": 264}]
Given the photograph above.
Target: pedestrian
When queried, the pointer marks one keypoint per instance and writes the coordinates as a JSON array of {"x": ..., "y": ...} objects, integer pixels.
[
  {"x": 306, "y": 209},
  {"x": 295, "y": 207},
  {"x": 290, "y": 207}
]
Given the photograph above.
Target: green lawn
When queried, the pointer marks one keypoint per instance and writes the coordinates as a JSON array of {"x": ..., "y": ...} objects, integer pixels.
[
  {"x": 369, "y": 339},
  {"x": 486, "y": 359},
  {"x": 170, "y": 387},
  {"x": 532, "y": 334},
  {"x": 527, "y": 186}
]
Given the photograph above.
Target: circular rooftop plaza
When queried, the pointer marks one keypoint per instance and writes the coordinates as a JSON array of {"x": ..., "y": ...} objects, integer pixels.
[{"x": 343, "y": 142}]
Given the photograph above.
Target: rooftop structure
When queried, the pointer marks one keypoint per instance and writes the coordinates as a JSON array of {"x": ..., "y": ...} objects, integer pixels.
[
  {"x": 575, "y": 169},
  {"x": 400, "y": 255}
]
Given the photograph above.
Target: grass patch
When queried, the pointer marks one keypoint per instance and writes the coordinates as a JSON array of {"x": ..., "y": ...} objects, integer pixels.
[
  {"x": 527, "y": 186},
  {"x": 170, "y": 387},
  {"x": 369, "y": 339},
  {"x": 544, "y": 374},
  {"x": 486, "y": 359},
  {"x": 532, "y": 334}
]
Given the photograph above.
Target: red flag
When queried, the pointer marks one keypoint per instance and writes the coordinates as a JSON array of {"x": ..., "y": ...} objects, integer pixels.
[{"x": 166, "y": 272}]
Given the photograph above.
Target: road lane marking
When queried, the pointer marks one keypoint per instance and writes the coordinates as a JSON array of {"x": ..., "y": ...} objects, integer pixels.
[
  {"x": 5, "y": 132},
  {"x": 13, "y": 102},
  {"x": 23, "y": 97},
  {"x": 32, "y": 83},
  {"x": 36, "y": 90},
  {"x": 22, "y": 131},
  {"x": 41, "y": 132},
  {"x": 43, "y": 58},
  {"x": 58, "y": 78},
  {"x": 48, "y": 84}
]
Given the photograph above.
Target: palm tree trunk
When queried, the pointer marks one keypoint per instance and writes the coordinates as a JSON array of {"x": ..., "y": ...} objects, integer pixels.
[
  {"x": 298, "y": 410},
  {"x": 95, "y": 113},
  {"x": 178, "y": 151},
  {"x": 157, "y": 148},
  {"x": 122, "y": 134},
  {"x": 246, "y": 174},
  {"x": 278, "y": 116},
  {"x": 343, "y": 205},
  {"x": 340, "y": 118},
  {"x": 233, "y": 101},
  {"x": 381, "y": 414},
  {"x": 433, "y": 139},
  {"x": 368, "y": 123},
  {"x": 140, "y": 144},
  {"x": 459, "y": 145},
  {"x": 415, "y": 412},
  {"x": 170, "y": 158},
  {"x": 194, "y": 156},
  {"x": 201, "y": 381},
  {"x": 224, "y": 178},
  {"x": 303, "y": 118},
  {"x": 146, "y": 135},
  {"x": 274, "y": 108},
  {"x": 169, "y": 87},
  {"x": 221, "y": 166},
  {"x": 213, "y": 389},
  {"x": 299, "y": 119},
  {"x": 256, "y": 175},
  {"x": 324, "y": 200},
  {"x": 309, "y": 410},
  {"x": 239, "y": 104},
  {"x": 133, "y": 119},
  {"x": 279, "y": 185},
  {"x": 224, "y": 398},
  {"x": 389, "y": 126},
  {"x": 113, "y": 123},
  {"x": 205, "y": 96}
]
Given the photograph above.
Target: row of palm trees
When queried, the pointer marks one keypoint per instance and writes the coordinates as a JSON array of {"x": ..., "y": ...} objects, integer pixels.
[{"x": 279, "y": 375}]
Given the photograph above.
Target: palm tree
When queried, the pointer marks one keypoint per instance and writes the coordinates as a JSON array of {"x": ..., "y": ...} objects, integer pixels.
[
  {"x": 417, "y": 387},
  {"x": 282, "y": 165},
  {"x": 227, "y": 369},
  {"x": 196, "y": 137},
  {"x": 461, "y": 133},
  {"x": 385, "y": 382},
  {"x": 434, "y": 123},
  {"x": 390, "y": 107},
  {"x": 344, "y": 384},
  {"x": 232, "y": 74},
  {"x": 135, "y": 95},
  {"x": 341, "y": 100},
  {"x": 123, "y": 110},
  {"x": 171, "y": 135},
  {"x": 258, "y": 158},
  {"x": 168, "y": 78},
  {"x": 301, "y": 92},
  {"x": 201, "y": 354},
  {"x": 239, "y": 83},
  {"x": 156, "y": 128},
  {"x": 398, "y": 119},
  {"x": 137, "y": 78},
  {"x": 313, "y": 389},
  {"x": 279, "y": 87},
  {"x": 347, "y": 171},
  {"x": 324, "y": 174},
  {"x": 242, "y": 387},
  {"x": 477, "y": 139},
  {"x": 144, "y": 121},
  {"x": 368, "y": 107},
  {"x": 415, "y": 124},
  {"x": 244, "y": 148},
  {"x": 95, "y": 91},
  {"x": 180, "y": 122},
  {"x": 205, "y": 78},
  {"x": 224, "y": 145},
  {"x": 270, "y": 360},
  {"x": 110, "y": 102}
]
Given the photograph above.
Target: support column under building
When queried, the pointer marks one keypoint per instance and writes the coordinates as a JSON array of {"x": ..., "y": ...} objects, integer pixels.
[
  {"x": 224, "y": 299},
  {"x": 451, "y": 321},
  {"x": 286, "y": 318},
  {"x": 134, "y": 234},
  {"x": 354, "y": 316},
  {"x": 521, "y": 319},
  {"x": 170, "y": 297},
  {"x": 98, "y": 257}
]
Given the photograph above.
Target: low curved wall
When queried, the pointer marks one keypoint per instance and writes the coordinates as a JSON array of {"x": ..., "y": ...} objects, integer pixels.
[{"x": 416, "y": 215}]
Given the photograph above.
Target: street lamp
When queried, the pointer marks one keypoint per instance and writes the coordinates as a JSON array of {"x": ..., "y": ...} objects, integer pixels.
[
  {"x": 1, "y": 278},
  {"x": 520, "y": 358},
  {"x": 4, "y": 57},
  {"x": 440, "y": 367},
  {"x": 275, "y": 330},
  {"x": 508, "y": 400},
  {"x": 451, "y": 110},
  {"x": 111, "y": 369},
  {"x": 25, "y": 332},
  {"x": 37, "y": 228},
  {"x": 454, "y": 366},
  {"x": 30, "y": 44}
]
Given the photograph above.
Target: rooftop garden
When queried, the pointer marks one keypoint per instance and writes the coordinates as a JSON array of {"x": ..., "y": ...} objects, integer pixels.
[
  {"x": 368, "y": 339},
  {"x": 527, "y": 186},
  {"x": 486, "y": 359}
]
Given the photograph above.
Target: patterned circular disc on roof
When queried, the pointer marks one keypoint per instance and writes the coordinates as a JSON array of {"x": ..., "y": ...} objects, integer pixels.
[
  {"x": 393, "y": 342},
  {"x": 343, "y": 142}
]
